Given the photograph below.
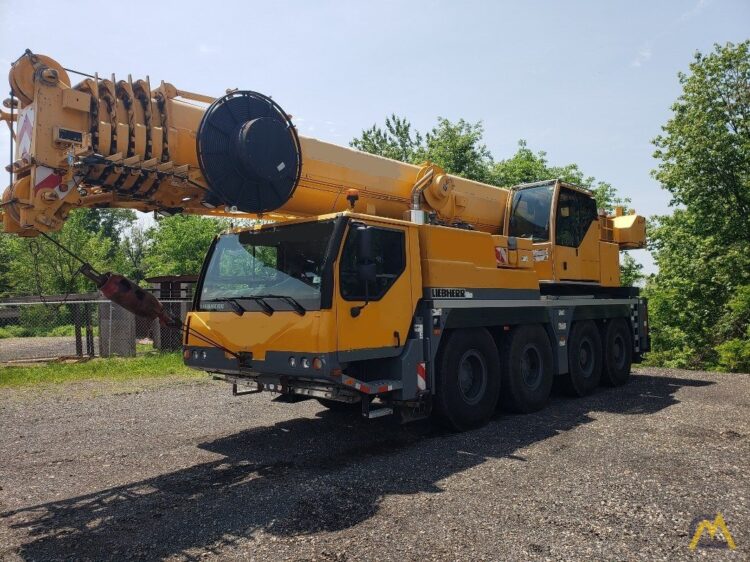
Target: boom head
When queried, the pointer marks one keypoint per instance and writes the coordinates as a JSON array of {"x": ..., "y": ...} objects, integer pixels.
[{"x": 120, "y": 143}]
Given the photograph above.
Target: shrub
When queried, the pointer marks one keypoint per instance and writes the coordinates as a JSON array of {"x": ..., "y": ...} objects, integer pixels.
[{"x": 734, "y": 355}]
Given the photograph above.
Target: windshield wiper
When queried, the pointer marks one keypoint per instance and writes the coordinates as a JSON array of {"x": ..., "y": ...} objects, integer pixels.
[
  {"x": 291, "y": 301},
  {"x": 239, "y": 310},
  {"x": 267, "y": 308}
]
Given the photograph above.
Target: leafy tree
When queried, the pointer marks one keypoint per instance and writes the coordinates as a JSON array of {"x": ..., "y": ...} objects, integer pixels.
[
  {"x": 8, "y": 251},
  {"x": 179, "y": 243},
  {"x": 133, "y": 249},
  {"x": 525, "y": 166},
  {"x": 397, "y": 141},
  {"x": 110, "y": 222},
  {"x": 700, "y": 315},
  {"x": 40, "y": 267},
  {"x": 455, "y": 147},
  {"x": 631, "y": 272},
  {"x": 458, "y": 149},
  {"x": 704, "y": 153}
]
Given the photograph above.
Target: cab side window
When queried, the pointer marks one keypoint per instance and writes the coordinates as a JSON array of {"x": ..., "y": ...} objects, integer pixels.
[
  {"x": 575, "y": 213},
  {"x": 390, "y": 262}
]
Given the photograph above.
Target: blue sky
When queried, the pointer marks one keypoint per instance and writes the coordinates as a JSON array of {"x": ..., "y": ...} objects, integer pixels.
[{"x": 587, "y": 82}]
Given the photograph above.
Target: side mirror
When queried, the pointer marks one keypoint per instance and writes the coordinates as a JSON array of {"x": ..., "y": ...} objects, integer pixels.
[
  {"x": 364, "y": 243},
  {"x": 366, "y": 269}
]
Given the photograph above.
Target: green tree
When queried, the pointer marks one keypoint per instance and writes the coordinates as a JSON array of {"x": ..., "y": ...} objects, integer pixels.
[
  {"x": 178, "y": 244},
  {"x": 704, "y": 153},
  {"x": 525, "y": 166},
  {"x": 396, "y": 141},
  {"x": 8, "y": 253},
  {"x": 133, "y": 249},
  {"x": 458, "y": 148},
  {"x": 40, "y": 267},
  {"x": 699, "y": 316},
  {"x": 631, "y": 272}
]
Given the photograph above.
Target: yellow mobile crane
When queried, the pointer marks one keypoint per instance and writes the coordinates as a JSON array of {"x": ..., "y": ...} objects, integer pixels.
[{"x": 370, "y": 283}]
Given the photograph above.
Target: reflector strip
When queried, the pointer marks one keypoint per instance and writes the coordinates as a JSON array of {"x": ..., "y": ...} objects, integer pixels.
[{"x": 421, "y": 376}]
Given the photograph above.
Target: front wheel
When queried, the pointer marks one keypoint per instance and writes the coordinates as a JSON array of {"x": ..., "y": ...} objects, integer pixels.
[{"x": 468, "y": 379}]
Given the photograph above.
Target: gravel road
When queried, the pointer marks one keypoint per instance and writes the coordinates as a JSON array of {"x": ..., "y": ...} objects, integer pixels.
[
  {"x": 183, "y": 470},
  {"x": 15, "y": 349}
]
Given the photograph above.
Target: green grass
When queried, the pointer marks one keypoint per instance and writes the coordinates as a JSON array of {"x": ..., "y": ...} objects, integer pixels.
[{"x": 152, "y": 365}]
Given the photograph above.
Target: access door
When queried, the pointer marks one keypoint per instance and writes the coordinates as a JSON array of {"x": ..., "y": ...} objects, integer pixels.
[{"x": 376, "y": 314}]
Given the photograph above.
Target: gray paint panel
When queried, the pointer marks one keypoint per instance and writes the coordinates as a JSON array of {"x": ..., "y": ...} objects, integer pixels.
[
  {"x": 487, "y": 294},
  {"x": 544, "y": 302}
]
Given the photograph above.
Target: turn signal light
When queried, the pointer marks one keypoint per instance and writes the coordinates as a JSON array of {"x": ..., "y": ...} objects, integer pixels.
[{"x": 317, "y": 363}]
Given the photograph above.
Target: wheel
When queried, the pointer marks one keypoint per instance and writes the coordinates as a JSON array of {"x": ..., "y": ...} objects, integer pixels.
[
  {"x": 618, "y": 352},
  {"x": 336, "y": 406},
  {"x": 526, "y": 369},
  {"x": 584, "y": 359},
  {"x": 468, "y": 379}
]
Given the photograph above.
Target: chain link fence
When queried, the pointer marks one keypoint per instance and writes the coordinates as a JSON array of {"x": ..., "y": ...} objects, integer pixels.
[{"x": 48, "y": 328}]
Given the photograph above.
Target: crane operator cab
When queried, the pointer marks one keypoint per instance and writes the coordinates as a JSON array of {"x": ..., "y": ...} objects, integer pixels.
[{"x": 571, "y": 239}]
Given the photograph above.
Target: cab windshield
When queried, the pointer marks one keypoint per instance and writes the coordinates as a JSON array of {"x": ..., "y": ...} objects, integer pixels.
[
  {"x": 284, "y": 261},
  {"x": 530, "y": 212}
]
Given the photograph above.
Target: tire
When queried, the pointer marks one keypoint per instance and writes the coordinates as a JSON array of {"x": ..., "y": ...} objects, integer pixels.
[
  {"x": 467, "y": 379},
  {"x": 526, "y": 365},
  {"x": 336, "y": 406},
  {"x": 584, "y": 359},
  {"x": 618, "y": 352}
]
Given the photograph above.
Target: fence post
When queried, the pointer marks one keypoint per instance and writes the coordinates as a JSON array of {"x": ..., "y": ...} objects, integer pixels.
[
  {"x": 76, "y": 311},
  {"x": 90, "y": 351}
]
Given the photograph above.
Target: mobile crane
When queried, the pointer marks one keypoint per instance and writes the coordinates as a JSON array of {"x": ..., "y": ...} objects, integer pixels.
[{"x": 369, "y": 283}]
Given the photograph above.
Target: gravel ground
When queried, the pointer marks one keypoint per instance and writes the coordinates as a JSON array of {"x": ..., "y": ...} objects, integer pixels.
[
  {"x": 184, "y": 470},
  {"x": 15, "y": 349}
]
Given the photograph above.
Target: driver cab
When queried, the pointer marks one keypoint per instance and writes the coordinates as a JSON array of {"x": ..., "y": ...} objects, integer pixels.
[{"x": 562, "y": 221}]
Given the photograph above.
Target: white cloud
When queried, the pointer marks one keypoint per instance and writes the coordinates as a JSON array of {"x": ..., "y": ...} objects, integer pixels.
[
  {"x": 694, "y": 11},
  {"x": 643, "y": 56},
  {"x": 205, "y": 49}
]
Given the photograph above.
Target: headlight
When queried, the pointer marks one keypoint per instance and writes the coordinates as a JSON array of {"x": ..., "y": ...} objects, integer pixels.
[
  {"x": 292, "y": 361},
  {"x": 204, "y": 354},
  {"x": 305, "y": 363},
  {"x": 195, "y": 354}
]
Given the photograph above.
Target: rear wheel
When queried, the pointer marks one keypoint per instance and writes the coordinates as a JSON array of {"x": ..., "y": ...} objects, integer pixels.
[
  {"x": 527, "y": 373},
  {"x": 618, "y": 352},
  {"x": 584, "y": 359},
  {"x": 468, "y": 379}
]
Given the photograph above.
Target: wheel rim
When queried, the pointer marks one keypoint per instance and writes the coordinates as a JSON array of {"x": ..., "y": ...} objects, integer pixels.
[
  {"x": 618, "y": 351},
  {"x": 472, "y": 376},
  {"x": 586, "y": 357},
  {"x": 531, "y": 367}
]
